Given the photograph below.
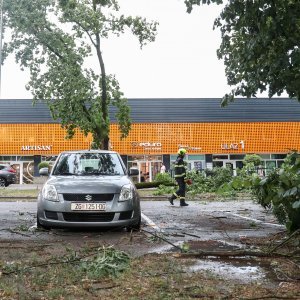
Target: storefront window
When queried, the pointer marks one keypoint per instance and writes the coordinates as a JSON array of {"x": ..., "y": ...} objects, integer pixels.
[
  {"x": 194, "y": 162},
  {"x": 198, "y": 165},
  {"x": 8, "y": 158},
  {"x": 279, "y": 163},
  {"x": 135, "y": 157},
  {"x": 270, "y": 165},
  {"x": 278, "y": 156},
  {"x": 148, "y": 166},
  {"x": 195, "y": 157},
  {"x": 219, "y": 156},
  {"x": 264, "y": 156},
  {"x": 237, "y": 156},
  {"x": 218, "y": 164},
  {"x": 25, "y": 158},
  {"x": 173, "y": 158},
  {"x": 239, "y": 164}
]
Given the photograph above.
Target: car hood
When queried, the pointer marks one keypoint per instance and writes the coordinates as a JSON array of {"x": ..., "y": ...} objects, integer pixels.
[{"x": 88, "y": 184}]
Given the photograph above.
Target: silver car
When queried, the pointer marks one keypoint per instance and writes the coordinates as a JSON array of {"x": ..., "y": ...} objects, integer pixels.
[{"x": 89, "y": 188}]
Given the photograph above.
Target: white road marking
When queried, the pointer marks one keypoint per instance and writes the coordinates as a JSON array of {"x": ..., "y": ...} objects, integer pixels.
[
  {"x": 254, "y": 220},
  {"x": 150, "y": 223}
]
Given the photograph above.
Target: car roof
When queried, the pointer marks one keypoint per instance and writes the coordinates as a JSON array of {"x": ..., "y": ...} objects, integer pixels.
[{"x": 88, "y": 151}]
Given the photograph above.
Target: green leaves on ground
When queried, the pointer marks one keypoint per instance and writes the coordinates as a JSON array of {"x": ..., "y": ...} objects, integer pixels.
[{"x": 106, "y": 262}]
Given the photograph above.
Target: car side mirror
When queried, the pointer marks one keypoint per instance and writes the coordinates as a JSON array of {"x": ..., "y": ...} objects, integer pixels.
[
  {"x": 44, "y": 171},
  {"x": 133, "y": 172}
]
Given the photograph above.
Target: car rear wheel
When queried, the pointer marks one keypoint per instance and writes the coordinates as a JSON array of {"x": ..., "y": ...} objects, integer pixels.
[
  {"x": 3, "y": 182},
  {"x": 41, "y": 226}
]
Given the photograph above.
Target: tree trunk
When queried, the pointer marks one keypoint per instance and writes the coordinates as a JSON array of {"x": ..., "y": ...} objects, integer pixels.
[
  {"x": 105, "y": 143},
  {"x": 104, "y": 105}
]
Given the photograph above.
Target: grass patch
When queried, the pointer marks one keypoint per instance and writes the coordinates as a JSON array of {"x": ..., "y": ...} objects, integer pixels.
[
  {"x": 5, "y": 192},
  {"x": 43, "y": 275}
]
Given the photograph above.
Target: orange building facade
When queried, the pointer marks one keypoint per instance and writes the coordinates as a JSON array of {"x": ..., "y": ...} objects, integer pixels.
[
  {"x": 157, "y": 138},
  {"x": 151, "y": 144},
  {"x": 212, "y": 135}
]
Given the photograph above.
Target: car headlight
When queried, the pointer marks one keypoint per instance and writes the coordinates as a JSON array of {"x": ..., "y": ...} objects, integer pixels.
[
  {"x": 50, "y": 193},
  {"x": 126, "y": 192}
]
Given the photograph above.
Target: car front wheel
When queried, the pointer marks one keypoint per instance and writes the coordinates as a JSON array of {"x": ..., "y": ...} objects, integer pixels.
[
  {"x": 136, "y": 226},
  {"x": 39, "y": 225}
]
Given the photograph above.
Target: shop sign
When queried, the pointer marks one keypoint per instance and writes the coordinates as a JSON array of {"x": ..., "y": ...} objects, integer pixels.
[
  {"x": 147, "y": 145},
  {"x": 36, "y": 147},
  {"x": 233, "y": 146},
  {"x": 187, "y": 147}
]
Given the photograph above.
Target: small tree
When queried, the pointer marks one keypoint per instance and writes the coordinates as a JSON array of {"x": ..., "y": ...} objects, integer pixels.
[
  {"x": 163, "y": 178},
  {"x": 251, "y": 162},
  {"x": 280, "y": 191},
  {"x": 55, "y": 39}
]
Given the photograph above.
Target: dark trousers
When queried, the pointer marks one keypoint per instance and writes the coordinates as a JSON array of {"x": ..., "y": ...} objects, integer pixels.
[{"x": 181, "y": 188}]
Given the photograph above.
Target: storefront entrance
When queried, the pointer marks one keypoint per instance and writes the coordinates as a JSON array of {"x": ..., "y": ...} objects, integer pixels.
[{"x": 148, "y": 166}]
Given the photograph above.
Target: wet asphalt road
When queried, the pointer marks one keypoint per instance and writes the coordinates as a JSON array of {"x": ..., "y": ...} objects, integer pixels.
[
  {"x": 226, "y": 222},
  {"x": 205, "y": 226}
]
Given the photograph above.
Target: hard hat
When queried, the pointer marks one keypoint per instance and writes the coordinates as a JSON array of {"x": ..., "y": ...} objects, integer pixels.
[{"x": 181, "y": 151}]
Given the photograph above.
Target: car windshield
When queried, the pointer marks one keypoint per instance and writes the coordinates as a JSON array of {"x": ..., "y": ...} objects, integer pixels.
[{"x": 88, "y": 164}]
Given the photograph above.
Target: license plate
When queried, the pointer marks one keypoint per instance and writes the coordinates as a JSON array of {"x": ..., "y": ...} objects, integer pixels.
[{"x": 88, "y": 206}]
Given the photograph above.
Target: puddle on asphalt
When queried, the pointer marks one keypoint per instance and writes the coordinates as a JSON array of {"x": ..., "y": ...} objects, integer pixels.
[{"x": 241, "y": 270}]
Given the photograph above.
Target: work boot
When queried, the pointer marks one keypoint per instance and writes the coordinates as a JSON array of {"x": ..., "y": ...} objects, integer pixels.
[
  {"x": 183, "y": 203},
  {"x": 171, "y": 199}
]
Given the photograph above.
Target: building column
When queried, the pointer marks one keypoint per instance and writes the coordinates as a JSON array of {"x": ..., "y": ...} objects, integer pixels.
[{"x": 36, "y": 160}]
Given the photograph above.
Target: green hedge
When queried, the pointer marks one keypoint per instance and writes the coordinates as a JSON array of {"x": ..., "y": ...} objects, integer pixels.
[{"x": 43, "y": 164}]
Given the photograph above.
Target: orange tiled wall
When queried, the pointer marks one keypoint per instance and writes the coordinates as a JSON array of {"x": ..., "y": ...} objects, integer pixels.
[
  {"x": 269, "y": 137},
  {"x": 14, "y": 136},
  {"x": 260, "y": 137}
]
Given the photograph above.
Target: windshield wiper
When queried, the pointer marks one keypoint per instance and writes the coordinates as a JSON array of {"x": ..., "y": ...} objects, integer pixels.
[
  {"x": 66, "y": 173},
  {"x": 108, "y": 174},
  {"x": 98, "y": 173}
]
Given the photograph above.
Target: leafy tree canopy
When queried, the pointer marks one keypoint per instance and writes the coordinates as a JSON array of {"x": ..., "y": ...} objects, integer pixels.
[
  {"x": 260, "y": 46},
  {"x": 54, "y": 39}
]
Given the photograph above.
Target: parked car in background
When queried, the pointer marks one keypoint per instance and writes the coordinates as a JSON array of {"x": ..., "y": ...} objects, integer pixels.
[
  {"x": 7, "y": 175},
  {"x": 89, "y": 188}
]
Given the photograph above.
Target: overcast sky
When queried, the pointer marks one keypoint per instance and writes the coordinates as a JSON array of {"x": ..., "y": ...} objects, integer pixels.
[{"x": 182, "y": 62}]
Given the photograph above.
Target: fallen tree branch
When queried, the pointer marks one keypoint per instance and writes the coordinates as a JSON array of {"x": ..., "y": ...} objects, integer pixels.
[
  {"x": 284, "y": 241},
  {"x": 231, "y": 253},
  {"x": 270, "y": 297},
  {"x": 163, "y": 239},
  {"x": 17, "y": 232}
]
